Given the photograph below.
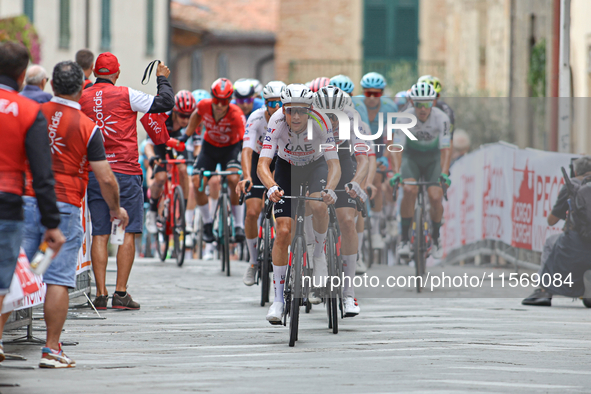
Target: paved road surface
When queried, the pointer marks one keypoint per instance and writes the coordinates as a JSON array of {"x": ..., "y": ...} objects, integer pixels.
[{"x": 199, "y": 331}]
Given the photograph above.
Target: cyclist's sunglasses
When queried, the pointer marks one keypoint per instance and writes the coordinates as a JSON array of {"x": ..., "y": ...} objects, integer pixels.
[
  {"x": 297, "y": 110},
  {"x": 423, "y": 104},
  {"x": 333, "y": 117},
  {"x": 218, "y": 101},
  {"x": 274, "y": 104},
  {"x": 248, "y": 100},
  {"x": 373, "y": 94},
  {"x": 183, "y": 116}
]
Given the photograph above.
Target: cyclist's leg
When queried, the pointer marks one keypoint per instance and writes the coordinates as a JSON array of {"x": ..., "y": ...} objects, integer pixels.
[
  {"x": 206, "y": 161},
  {"x": 254, "y": 205},
  {"x": 316, "y": 174},
  {"x": 410, "y": 172},
  {"x": 156, "y": 189},
  {"x": 231, "y": 163}
]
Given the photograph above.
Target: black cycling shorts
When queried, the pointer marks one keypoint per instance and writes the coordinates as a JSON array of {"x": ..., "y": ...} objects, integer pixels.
[
  {"x": 210, "y": 156},
  {"x": 257, "y": 192},
  {"x": 347, "y": 174},
  {"x": 289, "y": 178}
]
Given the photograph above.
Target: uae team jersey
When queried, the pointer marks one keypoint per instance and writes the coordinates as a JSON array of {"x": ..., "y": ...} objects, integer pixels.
[
  {"x": 114, "y": 110},
  {"x": 432, "y": 135},
  {"x": 227, "y": 131},
  {"x": 256, "y": 129},
  {"x": 297, "y": 149}
]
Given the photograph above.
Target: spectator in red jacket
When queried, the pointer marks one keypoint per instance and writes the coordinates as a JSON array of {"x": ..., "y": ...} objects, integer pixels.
[{"x": 114, "y": 109}]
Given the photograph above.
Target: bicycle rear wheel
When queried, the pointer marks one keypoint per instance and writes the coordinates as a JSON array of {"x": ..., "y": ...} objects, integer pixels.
[
  {"x": 178, "y": 230},
  {"x": 367, "y": 246},
  {"x": 296, "y": 289},
  {"x": 162, "y": 239},
  {"x": 419, "y": 248},
  {"x": 331, "y": 258}
]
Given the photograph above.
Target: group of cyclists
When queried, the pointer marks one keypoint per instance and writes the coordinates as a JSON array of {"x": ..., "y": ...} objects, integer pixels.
[{"x": 260, "y": 134}]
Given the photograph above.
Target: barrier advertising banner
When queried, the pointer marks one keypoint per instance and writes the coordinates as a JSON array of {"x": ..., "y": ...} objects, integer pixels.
[{"x": 504, "y": 194}]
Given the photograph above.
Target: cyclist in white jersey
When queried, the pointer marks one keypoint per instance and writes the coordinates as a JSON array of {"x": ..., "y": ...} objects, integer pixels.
[
  {"x": 428, "y": 156},
  {"x": 300, "y": 160},
  {"x": 256, "y": 130},
  {"x": 327, "y": 99}
]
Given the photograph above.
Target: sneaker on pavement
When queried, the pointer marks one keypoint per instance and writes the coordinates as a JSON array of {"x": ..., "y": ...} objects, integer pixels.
[
  {"x": 315, "y": 296},
  {"x": 125, "y": 302},
  {"x": 55, "y": 359},
  {"x": 275, "y": 313},
  {"x": 208, "y": 232},
  {"x": 540, "y": 297},
  {"x": 2, "y": 356},
  {"x": 403, "y": 249},
  {"x": 351, "y": 307},
  {"x": 151, "y": 222},
  {"x": 239, "y": 234},
  {"x": 437, "y": 251},
  {"x": 377, "y": 242},
  {"x": 100, "y": 302},
  {"x": 208, "y": 252},
  {"x": 249, "y": 275},
  {"x": 360, "y": 267}
]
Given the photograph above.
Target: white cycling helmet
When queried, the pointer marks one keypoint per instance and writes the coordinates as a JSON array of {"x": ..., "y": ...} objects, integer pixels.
[
  {"x": 258, "y": 87},
  {"x": 273, "y": 90},
  {"x": 349, "y": 101},
  {"x": 330, "y": 97},
  {"x": 422, "y": 91},
  {"x": 243, "y": 88},
  {"x": 296, "y": 93}
]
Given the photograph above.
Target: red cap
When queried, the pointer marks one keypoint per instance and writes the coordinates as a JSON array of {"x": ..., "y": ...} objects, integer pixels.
[{"x": 106, "y": 64}]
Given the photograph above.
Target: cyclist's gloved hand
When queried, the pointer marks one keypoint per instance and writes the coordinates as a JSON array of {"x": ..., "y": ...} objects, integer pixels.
[
  {"x": 275, "y": 193},
  {"x": 383, "y": 161},
  {"x": 183, "y": 138},
  {"x": 329, "y": 196},
  {"x": 395, "y": 179},
  {"x": 153, "y": 160},
  {"x": 444, "y": 178},
  {"x": 355, "y": 190}
]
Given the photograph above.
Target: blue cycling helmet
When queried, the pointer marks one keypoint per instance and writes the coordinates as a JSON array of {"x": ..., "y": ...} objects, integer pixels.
[
  {"x": 201, "y": 94},
  {"x": 343, "y": 82},
  {"x": 401, "y": 98},
  {"x": 373, "y": 80}
]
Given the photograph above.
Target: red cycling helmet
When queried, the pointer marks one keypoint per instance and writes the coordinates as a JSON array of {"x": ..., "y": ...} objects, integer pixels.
[
  {"x": 319, "y": 83},
  {"x": 184, "y": 102},
  {"x": 222, "y": 88}
]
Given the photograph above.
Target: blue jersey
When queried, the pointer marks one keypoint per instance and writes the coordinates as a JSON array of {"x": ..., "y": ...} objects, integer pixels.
[
  {"x": 386, "y": 105},
  {"x": 258, "y": 103}
]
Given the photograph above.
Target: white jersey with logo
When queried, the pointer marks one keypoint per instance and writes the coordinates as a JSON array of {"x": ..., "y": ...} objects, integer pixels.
[
  {"x": 256, "y": 129},
  {"x": 433, "y": 134},
  {"x": 297, "y": 149}
]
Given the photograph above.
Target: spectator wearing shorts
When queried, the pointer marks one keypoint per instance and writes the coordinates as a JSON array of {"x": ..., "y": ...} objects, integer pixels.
[
  {"x": 24, "y": 137},
  {"x": 75, "y": 143},
  {"x": 114, "y": 109}
]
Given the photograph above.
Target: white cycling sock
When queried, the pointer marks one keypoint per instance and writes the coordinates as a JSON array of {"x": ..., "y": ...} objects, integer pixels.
[
  {"x": 238, "y": 212},
  {"x": 349, "y": 263},
  {"x": 319, "y": 245},
  {"x": 252, "y": 249},
  {"x": 189, "y": 216},
  {"x": 205, "y": 213},
  {"x": 375, "y": 221},
  {"x": 308, "y": 229},
  {"x": 209, "y": 248},
  {"x": 279, "y": 281}
]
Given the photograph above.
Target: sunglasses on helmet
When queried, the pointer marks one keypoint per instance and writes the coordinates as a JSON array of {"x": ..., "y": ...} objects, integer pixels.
[
  {"x": 373, "y": 94},
  {"x": 423, "y": 104},
  {"x": 248, "y": 100},
  {"x": 274, "y": 104},
  {"x": 297, "y": 110},
  {"x": 218, "y": 101}
]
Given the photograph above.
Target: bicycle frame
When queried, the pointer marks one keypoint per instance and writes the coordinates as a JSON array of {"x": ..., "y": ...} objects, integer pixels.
[{"x": 173, "y": 180}]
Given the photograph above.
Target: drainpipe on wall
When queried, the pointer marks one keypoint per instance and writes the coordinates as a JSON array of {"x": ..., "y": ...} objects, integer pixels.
[{"x": 554, "y": 80}]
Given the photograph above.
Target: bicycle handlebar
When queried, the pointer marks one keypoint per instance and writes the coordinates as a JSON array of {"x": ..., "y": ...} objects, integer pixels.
[
  {"x": 208, "y": 174},
  {"x": 171, "y": 161},
  {"x": 369, "y": 193},
  {"x": 443, "y": 185},
  {"x": 361, "y": 207},
  {"x": 243, "y": 195}
]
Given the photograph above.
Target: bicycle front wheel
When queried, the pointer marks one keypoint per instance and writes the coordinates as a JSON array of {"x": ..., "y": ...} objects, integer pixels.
[
  {"x": 266, "y": 260},
  {"x": 225, "y": 234},
  {"x": 178, "y": 230},
  {"x": 296, "y": 289},
  {"x": 161, "y": 238},
  {"x": 419, "y": 248},
  {"x": 331, "y": 258}
]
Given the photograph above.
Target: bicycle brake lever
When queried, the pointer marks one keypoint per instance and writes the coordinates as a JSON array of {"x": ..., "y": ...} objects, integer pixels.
[{"x": 242, "y": 194}]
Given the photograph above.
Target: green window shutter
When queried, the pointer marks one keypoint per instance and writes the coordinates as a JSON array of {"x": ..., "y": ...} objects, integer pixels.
[
  {"x": 406, "y": 33},
  {"x": 106, "y": 25},
  {"x": 64, "y": 41},
  {"x": 375, "y": 43},
  {"x": 150, "y": 28},
  {"x": 29, "y": 9}
]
